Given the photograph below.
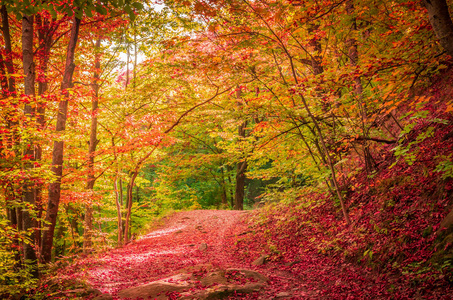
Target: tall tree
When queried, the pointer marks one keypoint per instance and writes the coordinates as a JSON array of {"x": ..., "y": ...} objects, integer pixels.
[
  {"x": 46, "y": 31},
  {"x": 241, "y": 167},
  {"x": 29, "y": 189},
  {"x": 58, "y": 146},
  {"x": 8, "y": 50},
  {"x": 13, "y": 212},
  {"x": 88, "y": 226}
]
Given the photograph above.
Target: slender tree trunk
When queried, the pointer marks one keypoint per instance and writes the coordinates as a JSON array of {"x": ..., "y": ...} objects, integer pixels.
[
  {"x": 45, "y": 37},
  {"x": 118, "y": 211},
  {"x": 29, "y": 190},
  {"x": 8, "y": 51},
  {"x": 241, "y": 167},
  {"x": 74, "y": 225},
  {"x": 135, "y": 59},
  {"x": 230, "y": 181},
  {"x": 128, "y": 56},
  {"x": 88, "y": 226},
  {"x": 57, "y": 154},
  {"x": 121, "y": 195},
  {"x": 441, "y": 22},
  {"x": 11, "y": 91},
  {"x": 130, "y": 187},
  {"x": 353, "y": 54},
  {"x": 118, "y": 195},
  {"x": 317, "y": 129},
  {"x": 3, "y": 78},
  {"x": 121, "y": 190},
  {"x": 240, "y": 185},
  {"x": 10, "y": 85},
  {"x": 224, "y": 190}
]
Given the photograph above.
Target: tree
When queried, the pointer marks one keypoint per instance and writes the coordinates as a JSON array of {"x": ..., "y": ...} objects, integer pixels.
[
  {"x": 57, "y": 154},
  {"x": 29, "y": 189},
  {"x": 441, "y": 21},
  {"x": 87, "y": 243}
]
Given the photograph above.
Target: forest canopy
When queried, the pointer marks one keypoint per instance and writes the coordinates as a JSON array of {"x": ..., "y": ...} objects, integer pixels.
[{"x": 117, "y": 112}]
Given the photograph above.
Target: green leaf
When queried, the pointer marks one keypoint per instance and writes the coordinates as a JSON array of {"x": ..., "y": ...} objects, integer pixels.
[
  {"x": 137, "y": 5},
  {"x": 130, "y": 12},
  {"x": 88, "y": 11},
  {"x": 128, "y": 9}
]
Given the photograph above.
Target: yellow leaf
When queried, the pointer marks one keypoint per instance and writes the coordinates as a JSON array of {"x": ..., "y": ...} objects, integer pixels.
[{"x": 449, "y": 108}]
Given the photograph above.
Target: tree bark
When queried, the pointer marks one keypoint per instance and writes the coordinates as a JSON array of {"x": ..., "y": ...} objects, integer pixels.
[
  {"x": 8, "y": 51},
  {"x": 57, "y": 154},
  {"x": 241, "y": 167},
  {"x": 230, "y": 182},
  {"x": 29, "y": 190},
  {"x": 88, "y": 228},
  {"x": 10, "y": 195},
  {"x": 224, "y": 189},
  {"x": 118, "y": 212},
  {"x": 240, "y": 185},
  {"x": 3, "y": 78},
  {"x": 441, "y": 22},
  {"x": 135, "y": 59},
  {"x": 128, "y": 55},
  {"x": 130, "y": 187},
  {"x": 118, "y": 196},
  {"x": 353, "y": 53},
  {"x": 45, "y": 37}
]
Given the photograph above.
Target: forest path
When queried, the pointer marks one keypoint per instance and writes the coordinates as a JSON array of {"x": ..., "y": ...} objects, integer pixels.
[
  {"x": 174, "y": 246},
  {"x": 178, "y": 244}
]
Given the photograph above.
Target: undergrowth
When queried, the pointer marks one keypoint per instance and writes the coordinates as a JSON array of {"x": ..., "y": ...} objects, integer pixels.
[{"x": 396, "y": 213}]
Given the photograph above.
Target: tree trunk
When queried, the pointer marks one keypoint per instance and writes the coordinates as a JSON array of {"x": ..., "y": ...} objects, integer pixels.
[
  {"x": 57, "y": 154},
  {"x": 11, "y": 91},
  {"x": 118, "y": 211},
  {"x": 135, "y": 58},
  {"x": 130, "y": 187},
  {"x": 8, "y": 51},
  {"x": 13, "y": 212},
  {"x": 230, "y": 181},
  {"x": 240, "y": 185},
  {"x": 440, "y": 20},
  {"x": 3, "y": 78},
  {"x": 45, "y": 37},
  {"x": 318, "y": 133},
  {"x": 118, "y": 196},
  {"x": 88, "y": 228},
  {"x": 29, "y": 190},
  {"x": 128, "y": 55},
  {"x": 121, "y": 190},
  {"x": 241, "y": 167},
  {"x": 353, "y": 54},
  {"x": 224, "y": 190}
]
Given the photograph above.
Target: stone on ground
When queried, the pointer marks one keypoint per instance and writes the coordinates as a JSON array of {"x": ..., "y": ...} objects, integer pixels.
[{"x": 200, "y": 284}]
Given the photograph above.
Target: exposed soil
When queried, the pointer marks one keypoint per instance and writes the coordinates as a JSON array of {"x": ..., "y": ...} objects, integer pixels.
[
  {"x": 208, "y": 238},
  {"x": 165, "y": 251}
]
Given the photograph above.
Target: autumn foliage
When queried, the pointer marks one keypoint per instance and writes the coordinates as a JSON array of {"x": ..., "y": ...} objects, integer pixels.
[{"x": 333, "y": 118}]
